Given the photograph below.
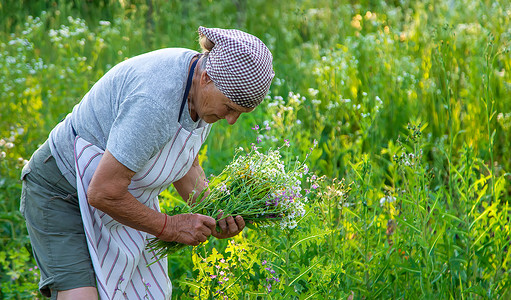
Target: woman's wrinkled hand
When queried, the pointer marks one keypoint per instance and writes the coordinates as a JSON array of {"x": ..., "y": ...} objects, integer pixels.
[
  {"x": 189, "y": 229},
  {"x": 229, "y": 227}
]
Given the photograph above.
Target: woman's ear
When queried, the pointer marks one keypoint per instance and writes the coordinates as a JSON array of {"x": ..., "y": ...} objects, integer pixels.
[{"x": 204, "y": 78}]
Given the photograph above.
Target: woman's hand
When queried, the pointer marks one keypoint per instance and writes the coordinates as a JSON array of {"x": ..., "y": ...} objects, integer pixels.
[
  {"x": 229, "y": 226},
  {"x": 189, "y": 229},
  {"x": 193, "y": 229}
]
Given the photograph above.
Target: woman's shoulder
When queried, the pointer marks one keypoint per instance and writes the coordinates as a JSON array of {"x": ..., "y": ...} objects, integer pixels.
[
  {"x": 163, "y": 65},
  {"x": 169, "y": 54}
]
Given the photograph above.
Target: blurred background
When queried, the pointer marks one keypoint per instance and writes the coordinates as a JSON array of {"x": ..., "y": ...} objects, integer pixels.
[{"x": 410, "y": 103}]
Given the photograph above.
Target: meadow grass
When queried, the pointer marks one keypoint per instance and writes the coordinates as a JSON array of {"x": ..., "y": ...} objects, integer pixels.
[{"x": 410, "y": 103}]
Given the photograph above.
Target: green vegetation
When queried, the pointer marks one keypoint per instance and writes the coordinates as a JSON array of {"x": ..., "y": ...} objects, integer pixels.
[{"x": 410, "y": 102}]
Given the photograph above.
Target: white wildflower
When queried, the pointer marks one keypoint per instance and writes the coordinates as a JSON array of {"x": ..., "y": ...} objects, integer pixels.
[
  {"x": 387, "y": 199},
  {"x": 313, "y": 92}
]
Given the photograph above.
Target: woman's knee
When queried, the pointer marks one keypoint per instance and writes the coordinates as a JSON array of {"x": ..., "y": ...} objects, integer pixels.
[{"x": 82, "y": 293}]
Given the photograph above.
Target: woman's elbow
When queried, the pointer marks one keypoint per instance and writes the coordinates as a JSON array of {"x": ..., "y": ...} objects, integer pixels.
[
  {"x": 106, "y": 197},
  {"x": 93, "y": 197}
]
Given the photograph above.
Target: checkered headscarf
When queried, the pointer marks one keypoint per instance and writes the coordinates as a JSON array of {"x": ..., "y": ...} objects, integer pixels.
[{"x": 239, "y": 64}]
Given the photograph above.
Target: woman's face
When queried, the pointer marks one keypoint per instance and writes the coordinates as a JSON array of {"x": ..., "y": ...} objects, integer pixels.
[{"x": 211, "y": 105}]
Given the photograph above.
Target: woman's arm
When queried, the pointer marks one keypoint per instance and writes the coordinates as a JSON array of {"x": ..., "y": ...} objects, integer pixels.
[
  {"x": 108, "y": 192},
  {"x": 191, "y": 185}
]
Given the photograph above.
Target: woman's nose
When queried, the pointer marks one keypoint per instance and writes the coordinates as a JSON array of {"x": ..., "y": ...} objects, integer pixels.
[{"x": 232, "y": 117}]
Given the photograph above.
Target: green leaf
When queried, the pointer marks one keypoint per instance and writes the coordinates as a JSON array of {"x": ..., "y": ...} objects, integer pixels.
[
  {"x": 250, "y": 225},
  {"x": 310, "y": 237},
  {"x": 304, "y": 272},
  {"x": 408, "y": 224}
]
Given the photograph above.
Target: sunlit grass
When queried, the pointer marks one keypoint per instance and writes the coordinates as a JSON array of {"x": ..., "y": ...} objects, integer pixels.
[{"x": 410, "y": 103}]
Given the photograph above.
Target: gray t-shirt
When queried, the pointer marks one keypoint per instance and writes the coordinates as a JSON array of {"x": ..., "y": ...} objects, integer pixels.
[{"x": 132, "y": 111}]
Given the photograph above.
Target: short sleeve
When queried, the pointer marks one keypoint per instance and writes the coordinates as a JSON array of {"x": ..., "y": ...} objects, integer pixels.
[{"x": 141, "y": 129}]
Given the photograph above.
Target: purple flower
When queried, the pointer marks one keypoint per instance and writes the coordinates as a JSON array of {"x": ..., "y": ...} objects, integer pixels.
[
  {"x": 146, "y": 284},
  {"x": 314, "y": 186},
  {"x": 259, "y": 139},
  {"x": 256, "y": 127},
  {"x": 286, "y": 143},
  {"x": 212, "y": 276},
  {"x": 264, "y": 262}
]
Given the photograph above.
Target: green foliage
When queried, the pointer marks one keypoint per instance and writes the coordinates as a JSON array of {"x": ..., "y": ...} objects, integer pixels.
[
  {"x": 19, "y": 273},
  {"x": 409, "y": 101}
]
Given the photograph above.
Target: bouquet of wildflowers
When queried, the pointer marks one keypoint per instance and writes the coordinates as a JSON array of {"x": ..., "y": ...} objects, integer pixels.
[{"x": 254, "y": 185}]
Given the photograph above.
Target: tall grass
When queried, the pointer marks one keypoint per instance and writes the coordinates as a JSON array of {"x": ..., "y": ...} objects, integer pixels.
[{"x": 410, "y": 103}]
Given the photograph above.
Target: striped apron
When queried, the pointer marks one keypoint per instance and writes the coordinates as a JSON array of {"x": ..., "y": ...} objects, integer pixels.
[{"x": 124, "y": 268}]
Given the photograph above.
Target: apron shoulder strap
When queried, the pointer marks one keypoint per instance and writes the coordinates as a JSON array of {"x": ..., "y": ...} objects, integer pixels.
[{"x": 187, "y": 89}]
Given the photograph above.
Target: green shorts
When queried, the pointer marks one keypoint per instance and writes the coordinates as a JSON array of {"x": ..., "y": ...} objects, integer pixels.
[{"x": 50, "y": 207}]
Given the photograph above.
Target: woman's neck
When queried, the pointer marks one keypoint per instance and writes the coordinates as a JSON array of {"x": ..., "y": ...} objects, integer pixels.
[{"x": 191, "y": 98}]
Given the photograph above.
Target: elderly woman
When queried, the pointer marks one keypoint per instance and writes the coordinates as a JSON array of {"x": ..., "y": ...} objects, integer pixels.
[{"x": 90, "y": 191}]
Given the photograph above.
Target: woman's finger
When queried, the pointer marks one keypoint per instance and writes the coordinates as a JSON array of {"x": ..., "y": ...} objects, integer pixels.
[
  {"x": 223, "y": 225},
  {"x": 201, "y": 238},
  {"x": 241, "y": 222},
  {"x": 233, "y": 227}
]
